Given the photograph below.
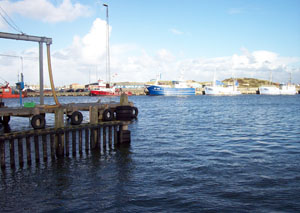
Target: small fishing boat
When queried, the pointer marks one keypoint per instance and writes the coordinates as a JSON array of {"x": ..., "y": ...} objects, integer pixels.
[
  {"x": 284, "y": 89},
  {"x": 7, "y": 92},
  {"x": 177, "y": 88},
  {"x": 219, "y": 88},
  {"x": 104, "y": 89},
  {"x": 287, "y": 89},
  {"x": 269, "y": 90}
]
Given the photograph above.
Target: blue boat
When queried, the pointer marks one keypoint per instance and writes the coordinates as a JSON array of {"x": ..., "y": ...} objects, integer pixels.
[{"x": 176, "y": 89}]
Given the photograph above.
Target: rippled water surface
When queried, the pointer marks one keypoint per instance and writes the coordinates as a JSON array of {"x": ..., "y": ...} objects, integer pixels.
[{"x": 188, "y": 154}]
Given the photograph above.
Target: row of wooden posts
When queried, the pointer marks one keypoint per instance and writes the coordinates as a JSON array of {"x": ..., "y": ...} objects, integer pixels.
[{"x": 55, "y": 142}]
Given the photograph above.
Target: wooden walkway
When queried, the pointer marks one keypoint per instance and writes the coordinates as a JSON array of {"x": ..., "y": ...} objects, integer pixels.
[
  {"x": 108, "y": 124},
  {"x": 67, "y": 108}
]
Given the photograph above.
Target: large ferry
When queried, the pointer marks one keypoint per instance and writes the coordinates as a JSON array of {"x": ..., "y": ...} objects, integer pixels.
[{"x": 177, "y": 88}]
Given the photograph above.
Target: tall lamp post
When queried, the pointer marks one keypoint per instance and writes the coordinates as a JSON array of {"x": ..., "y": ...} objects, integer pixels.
[{"x": 107, "y": 48}]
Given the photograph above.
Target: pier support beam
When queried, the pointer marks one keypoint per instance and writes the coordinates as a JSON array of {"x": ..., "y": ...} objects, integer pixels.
[
  {"x": 123, "y": 99},
  {"x": 124, "y": 133},
  {"x": 125, "y": 137},
  {"x": 41, "y": 73},
  {"x": 94, "y": 120},
  {"x": 59, "y": 138},
  {"x": 2, "y": 153}
]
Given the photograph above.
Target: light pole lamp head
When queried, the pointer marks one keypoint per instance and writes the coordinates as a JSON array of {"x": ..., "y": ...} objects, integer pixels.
[{"x": 105, "y": 5}]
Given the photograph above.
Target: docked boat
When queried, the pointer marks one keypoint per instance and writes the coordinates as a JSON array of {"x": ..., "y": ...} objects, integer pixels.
[
  {"x": 218, "y": 88},
  {"x": 177, "y": 88},
  {"x": 104, "y": 89},
  {"x": 268, "y": 90},
  {"x": 7, "y": 92},
  {"x": 284, "y": 89},
  {"x": 287, "y": 89}
]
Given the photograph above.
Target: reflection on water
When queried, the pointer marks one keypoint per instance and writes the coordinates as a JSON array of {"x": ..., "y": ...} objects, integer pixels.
[{"x": 68, "y": 183}]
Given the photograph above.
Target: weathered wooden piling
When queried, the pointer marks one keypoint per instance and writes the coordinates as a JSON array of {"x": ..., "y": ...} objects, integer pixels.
[
  {"x": 2, "y": 153},
  {"x": 94, "y": 120},
  {"x": 116, "y": 142},
  {"x": 36, "y": 148},
  {"x": 28, "y": 150},
  {"x": 44, "y": 142},
  {"x": 73, "y": 142},
  {"x": 52, "y": 145},
  {"x": 12, "y": 152},
  {"x": 110, "y": 137},
  {"x": 20, "y": 150},
  {"x": 59, "y": 138},
  {"x": 67, "y": 136},
  {"x": 87, "y": 140},
  {"x": 104, "y": 138}
]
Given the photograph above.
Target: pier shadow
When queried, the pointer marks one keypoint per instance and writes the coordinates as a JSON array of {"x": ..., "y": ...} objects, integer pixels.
[{"x": 5, "y": 128}]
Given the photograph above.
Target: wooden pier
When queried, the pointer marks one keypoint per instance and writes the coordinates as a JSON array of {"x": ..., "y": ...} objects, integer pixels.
[
  {"x": 107, "y": 127},
  {"x": 103, "y": 111},
  {"x": 52, "y": 143}
]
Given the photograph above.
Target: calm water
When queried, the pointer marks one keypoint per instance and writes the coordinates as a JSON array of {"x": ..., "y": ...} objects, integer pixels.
[{"x": 188, "y": 154}]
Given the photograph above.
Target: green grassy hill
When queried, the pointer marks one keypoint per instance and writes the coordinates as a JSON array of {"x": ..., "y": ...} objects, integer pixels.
[{"x": 249, "y": 82}]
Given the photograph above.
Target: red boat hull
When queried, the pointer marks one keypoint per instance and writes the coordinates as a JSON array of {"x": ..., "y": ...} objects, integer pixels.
[
  {"x": 12, "y": 96},
  {"x": 106, "y": 93},
  {"x": 7, "y": 93}
]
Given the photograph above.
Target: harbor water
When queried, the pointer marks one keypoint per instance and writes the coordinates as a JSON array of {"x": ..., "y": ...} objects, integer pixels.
[{"x": 187, "y": 154}]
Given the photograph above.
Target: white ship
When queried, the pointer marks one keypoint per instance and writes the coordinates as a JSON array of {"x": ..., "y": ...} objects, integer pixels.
[
  {"x": 284, "y": 89},
  {"x": 218, "y": 88}
]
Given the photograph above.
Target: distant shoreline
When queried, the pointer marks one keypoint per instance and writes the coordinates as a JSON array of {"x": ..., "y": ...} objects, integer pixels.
[{"x": 136, "y": 92}]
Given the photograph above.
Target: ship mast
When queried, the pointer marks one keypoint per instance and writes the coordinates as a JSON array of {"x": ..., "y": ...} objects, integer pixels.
[{"x": 107, "y": 49}]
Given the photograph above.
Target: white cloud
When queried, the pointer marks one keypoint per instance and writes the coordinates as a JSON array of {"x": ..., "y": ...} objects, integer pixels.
[
  {"x": 165, "y": 55},
  {"x": 85, "y": 58},
  {"x": 233, "y": 11},
  {"x": 175, "y": 31},
  {"x": 89, "y": 49},
  {"x": 45, "y": 10},
  {"x": 94, "y": 43}
]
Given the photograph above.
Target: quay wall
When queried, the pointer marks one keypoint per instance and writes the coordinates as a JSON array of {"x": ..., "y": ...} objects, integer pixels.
[
  {"x": 48, "y": 94},
  {"x": 137, "y": 92}
]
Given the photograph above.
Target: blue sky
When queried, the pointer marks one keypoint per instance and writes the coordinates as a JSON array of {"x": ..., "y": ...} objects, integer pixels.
[{"x": 193, "y": 38}]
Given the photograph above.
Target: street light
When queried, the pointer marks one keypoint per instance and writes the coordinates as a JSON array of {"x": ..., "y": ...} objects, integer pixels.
[{"x": 107, "y": 48}]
